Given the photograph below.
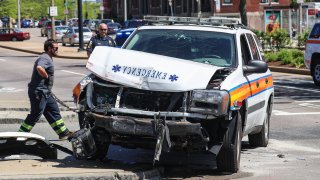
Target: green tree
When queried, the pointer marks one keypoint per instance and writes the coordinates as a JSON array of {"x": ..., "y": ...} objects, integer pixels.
[{"x": 8, "y": 8}]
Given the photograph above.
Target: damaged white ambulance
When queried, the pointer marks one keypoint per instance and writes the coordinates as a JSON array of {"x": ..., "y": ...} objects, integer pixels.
[{"x": 178, "y": 84}]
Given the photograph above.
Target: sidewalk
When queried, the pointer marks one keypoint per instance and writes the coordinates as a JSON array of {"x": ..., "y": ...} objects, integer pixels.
[{"x": 37, "y": 48}]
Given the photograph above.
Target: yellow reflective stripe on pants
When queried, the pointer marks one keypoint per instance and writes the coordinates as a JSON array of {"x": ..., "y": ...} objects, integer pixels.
[
  {"x": 58, "y": 122},
  {"x": 61, "y": 130},
  {"x": 27, "y": 126}
]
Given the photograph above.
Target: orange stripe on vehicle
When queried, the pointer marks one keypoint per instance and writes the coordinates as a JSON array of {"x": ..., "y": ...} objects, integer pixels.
[
  {"x": 313, "y": 41},
  {"x": 243, "y": 92}
]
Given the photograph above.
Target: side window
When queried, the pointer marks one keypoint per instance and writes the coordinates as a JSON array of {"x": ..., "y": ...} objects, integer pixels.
[
  {"x": 245, "y": 49},
  {"x": 259, "y": 46},
  {"x": 315, "y": 33},
  {"x": 253, "y": 48}
]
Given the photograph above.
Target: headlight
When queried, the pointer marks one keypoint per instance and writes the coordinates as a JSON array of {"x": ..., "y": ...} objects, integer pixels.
[
  {"x": 210, "y": 102},
  {"x": 80, "y": 86}
]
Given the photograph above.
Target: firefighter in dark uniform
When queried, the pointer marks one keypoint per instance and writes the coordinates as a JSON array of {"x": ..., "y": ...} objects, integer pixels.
[
  {"x": 39, "y": 92},
  {"x": 101, "y": 39}
]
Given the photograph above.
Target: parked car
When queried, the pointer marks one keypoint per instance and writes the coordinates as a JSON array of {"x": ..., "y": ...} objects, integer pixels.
[
  {"x": 91, "y": 23},
  {"x": 42, "y": 22},
  {"x": 13, "y": 34},
  {"x": 60, "y": 31},
  {"x": 134, "y": 23},
  {"x": 72, "y": 36},
  {"x": 105, "y": 21},
  {"x": 36, "y": 23},
  {"x": 73, "y": 22},
  {"x": 26, "y": 23},
  {"x": 47, "y": 26},
  {"x": 113, "y": 28},
  {"x": 122, "y": 36},
  {"x": 180, "y": 85}
]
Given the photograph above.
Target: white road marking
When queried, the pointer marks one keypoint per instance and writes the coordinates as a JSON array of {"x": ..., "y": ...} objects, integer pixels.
[
  {"x": 310, "y": 105},
  {"x": 73, "y": 73},
  {"x": 311, "y": 101},
  {"x": 302, "y": 89},
  {"x": 10, "y": 90},
  {"x": 3, "y": 60},
  {"x": 283, "y": 113}
]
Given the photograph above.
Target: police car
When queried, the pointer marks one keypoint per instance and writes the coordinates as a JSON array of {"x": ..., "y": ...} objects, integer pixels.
[
  {"x": 179, "y": 84},
  {"x": 312, "y": 53}
]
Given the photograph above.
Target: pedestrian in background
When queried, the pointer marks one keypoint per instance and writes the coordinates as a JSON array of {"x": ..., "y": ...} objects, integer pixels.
[
  {"x": 101, "y": 39},
  {"x": 39, "y": 92}
]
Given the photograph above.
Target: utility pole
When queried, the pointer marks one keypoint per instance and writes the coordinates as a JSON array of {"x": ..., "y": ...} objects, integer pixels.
[
  {"x": 101, "y": 9},
  {"x": 53, "y": 28},
  {"x": 19, "y": 24},
  {"x": 125, "y": 10},
  {"x": 66, "y": 11},
  {"x": 170, "y": 4},
  {"x": 80, "y": 27},
  {"x": 199, "y": 8},
  {"x": 300, "y": 18}
]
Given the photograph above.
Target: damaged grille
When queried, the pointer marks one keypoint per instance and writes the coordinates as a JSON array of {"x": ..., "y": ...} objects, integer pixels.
[{"x": 105, "y": 95}]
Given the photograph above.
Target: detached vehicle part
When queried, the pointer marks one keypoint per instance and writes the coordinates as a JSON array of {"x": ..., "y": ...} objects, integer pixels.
[
  {"x": 15, "y": 143},
  {"x": 196, "y": 84}
]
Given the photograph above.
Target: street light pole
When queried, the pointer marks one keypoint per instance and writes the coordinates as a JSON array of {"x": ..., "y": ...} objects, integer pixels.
[
  {"x": 80, "y": 27},
  {"x": 125, "y": 10},
  {"x": 101, "y": 9},
  {"x": 19, "y": 24},
  {"x": 53, "y": 28},
  {"x": 170, "y": 4},
  {"x": 199, "y": 8}
]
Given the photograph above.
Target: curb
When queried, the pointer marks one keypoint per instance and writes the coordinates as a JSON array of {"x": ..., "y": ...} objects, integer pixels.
[
  {"x": 290, "y": 70},
  {"x": 148, "y": 174}
]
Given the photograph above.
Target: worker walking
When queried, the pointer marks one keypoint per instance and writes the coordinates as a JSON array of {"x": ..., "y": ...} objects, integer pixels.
[
  {"x": 101, "y": 39},
  {"x": 39, "y": 92}
]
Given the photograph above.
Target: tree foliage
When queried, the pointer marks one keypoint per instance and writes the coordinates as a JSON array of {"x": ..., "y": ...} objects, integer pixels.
[{"x": 39, "y": 8}]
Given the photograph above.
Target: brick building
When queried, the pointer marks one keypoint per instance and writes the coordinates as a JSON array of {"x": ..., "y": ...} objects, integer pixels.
[{"x": 257, "y": 10}]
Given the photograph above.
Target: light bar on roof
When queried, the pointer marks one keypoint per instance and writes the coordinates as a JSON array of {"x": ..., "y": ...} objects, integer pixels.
[{"x": 193, "y": 20}]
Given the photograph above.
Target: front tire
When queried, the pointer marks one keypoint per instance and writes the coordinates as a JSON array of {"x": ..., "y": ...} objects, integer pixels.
[
  {"x": 315, "y": 72},
  {"x": 261, "y": 139},
  {"x": 228, "y": 159},
  {"x": 14, "y": 39}
]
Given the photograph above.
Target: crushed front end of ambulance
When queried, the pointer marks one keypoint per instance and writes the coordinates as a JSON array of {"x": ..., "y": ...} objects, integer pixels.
[{"x": 153, "y": 104}]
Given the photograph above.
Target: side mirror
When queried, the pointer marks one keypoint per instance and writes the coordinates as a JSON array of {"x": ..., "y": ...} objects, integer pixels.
[{"x": 255, "y": 66}]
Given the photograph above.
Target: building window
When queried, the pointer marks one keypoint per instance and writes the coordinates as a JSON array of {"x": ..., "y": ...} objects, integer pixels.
[
  {"x": 269, "y": 1},
  {"x": 227, "y": 2}
]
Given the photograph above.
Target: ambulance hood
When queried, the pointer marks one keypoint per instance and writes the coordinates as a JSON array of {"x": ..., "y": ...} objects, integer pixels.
[{"x": 149, "y": 71}]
